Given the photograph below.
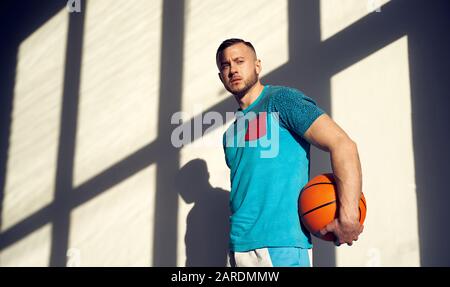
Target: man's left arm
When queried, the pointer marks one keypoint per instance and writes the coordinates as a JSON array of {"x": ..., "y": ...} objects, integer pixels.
[{"x": 325, "y": 134}]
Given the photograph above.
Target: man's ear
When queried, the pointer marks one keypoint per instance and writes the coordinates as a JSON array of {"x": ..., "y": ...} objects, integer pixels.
[
  {"x": 258, "y": 67},
  {"x": 220, "y": 77}
]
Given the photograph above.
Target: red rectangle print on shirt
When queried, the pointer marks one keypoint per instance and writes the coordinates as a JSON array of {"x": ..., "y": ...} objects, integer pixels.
[{"x": 257, "y": 127}]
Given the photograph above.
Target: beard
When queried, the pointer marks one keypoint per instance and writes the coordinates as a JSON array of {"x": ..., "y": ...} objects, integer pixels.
[{"x": 241, "y": 90}]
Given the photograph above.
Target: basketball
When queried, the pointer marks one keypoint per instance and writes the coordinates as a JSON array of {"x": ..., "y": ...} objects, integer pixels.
[{"x": 317, "y": 205}]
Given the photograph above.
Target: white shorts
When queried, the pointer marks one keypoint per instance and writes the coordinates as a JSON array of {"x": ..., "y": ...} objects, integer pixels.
[{"x": 271, "y": 257}]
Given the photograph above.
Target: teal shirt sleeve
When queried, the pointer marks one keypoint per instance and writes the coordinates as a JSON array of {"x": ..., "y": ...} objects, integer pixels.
[{"x": 295, "y": 110}]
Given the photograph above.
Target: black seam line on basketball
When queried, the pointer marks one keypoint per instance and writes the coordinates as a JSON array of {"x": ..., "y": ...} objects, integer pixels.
[
  {"x": 318, "y": 207},
  {"x": 316, "y": 184},
  {"x": 364, "y": 203}
]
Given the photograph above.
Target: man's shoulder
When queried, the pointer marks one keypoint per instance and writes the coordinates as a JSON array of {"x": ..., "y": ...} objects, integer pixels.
[{"x": 280, "y": 93}]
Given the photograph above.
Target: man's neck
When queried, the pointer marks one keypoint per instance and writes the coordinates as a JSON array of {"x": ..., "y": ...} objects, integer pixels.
[{"x": 250, "y": 96}]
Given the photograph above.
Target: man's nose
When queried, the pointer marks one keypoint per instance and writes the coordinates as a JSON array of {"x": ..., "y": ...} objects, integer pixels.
[{"x": 233, "y": 69}]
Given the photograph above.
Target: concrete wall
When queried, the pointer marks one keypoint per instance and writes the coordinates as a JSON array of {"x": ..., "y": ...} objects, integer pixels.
[{"x": 88, "y": 172}]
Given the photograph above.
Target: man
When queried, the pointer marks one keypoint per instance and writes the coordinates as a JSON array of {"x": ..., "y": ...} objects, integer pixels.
[{"x": 265, "y": 227}]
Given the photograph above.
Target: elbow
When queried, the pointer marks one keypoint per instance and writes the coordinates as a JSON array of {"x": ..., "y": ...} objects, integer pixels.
[
  {"x": 346, "y": 154},
  {"x": 352, "y": 149},
  {"x": 344, "y": 144},
  {"x": 352, "y": 145}
]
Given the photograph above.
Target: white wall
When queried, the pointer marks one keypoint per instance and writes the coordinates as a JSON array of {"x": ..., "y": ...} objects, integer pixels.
[
  {"x": 118, "y": 114},
  {"x": 379, "y": 120}
]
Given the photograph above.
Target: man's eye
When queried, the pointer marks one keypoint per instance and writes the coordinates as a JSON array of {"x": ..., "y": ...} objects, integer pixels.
[
  {"x": 240, "y": 61},
  {"x": 225, "y": 66}
]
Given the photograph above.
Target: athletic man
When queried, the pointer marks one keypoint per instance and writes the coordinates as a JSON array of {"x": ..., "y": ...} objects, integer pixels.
[{"x": 265, "y": 227}]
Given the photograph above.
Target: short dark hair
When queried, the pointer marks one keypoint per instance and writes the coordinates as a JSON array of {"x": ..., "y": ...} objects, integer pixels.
[{"x": 230, "y": 42}]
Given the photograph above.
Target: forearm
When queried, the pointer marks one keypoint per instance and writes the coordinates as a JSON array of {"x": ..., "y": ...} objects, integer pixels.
[{"x": 347, "y": 172}]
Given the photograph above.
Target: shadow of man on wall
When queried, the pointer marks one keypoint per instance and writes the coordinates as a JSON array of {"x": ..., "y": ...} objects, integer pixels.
[{"x": 207, "y": 228}]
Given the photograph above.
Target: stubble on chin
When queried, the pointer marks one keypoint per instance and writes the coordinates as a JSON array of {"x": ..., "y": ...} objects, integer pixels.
[
  {"x": 239, "y": 92},
  {"x": 248, "y": 84}
]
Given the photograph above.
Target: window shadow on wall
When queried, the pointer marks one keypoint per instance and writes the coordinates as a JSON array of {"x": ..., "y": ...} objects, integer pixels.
[
  {"x": 21, "y": 20},
  {"x": 18, "y": 20},
  {"x": 429, "y": 62},
  {"x": 310, "y": 66}
]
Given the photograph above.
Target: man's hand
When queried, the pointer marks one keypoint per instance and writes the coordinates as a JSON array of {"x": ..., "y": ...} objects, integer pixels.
[{"x": 345, "y": 231}]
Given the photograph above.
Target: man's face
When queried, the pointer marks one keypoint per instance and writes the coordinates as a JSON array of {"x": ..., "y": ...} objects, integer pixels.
[{"x": 239, "y": 69}]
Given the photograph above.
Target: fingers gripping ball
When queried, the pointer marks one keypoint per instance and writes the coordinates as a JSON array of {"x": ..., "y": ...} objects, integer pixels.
[{"x": 318, "y": 205}]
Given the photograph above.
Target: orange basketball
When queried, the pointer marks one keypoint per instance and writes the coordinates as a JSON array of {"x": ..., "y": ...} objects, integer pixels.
[{"x": 317, "y": 205}]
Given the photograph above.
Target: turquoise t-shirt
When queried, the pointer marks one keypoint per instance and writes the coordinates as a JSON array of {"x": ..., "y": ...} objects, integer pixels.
[{"x": 269, "y": 164}]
